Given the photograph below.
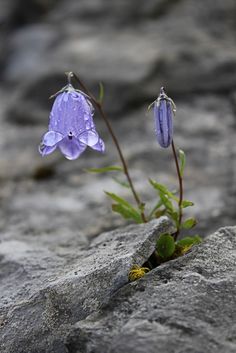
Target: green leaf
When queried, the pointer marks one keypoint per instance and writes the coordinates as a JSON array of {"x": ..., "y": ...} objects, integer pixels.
[
  {"x": 119, "y": 199},
  {"x": 104, "y": 169},
  {"x": 165, "y": 246},
  {"x": 101, "y": 92},
  {"x": 187, "y": 203},
  {"x": 122, "y": 183},
  {"x": 162, "y": 189},
  {"x": 189, "y": 241},
  {"x": 175, "y": 216},
  {"x": 167, "y": 203},
  {"x": 182, "y": 158},
  {"x": 185, "y": 244},
  {"x": 124, "y": 208},
  {"x": 127, "y": 213},
  {"x": 189, "y": 223}
]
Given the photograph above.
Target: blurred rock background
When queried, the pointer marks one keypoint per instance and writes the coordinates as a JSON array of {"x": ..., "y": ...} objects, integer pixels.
[{"x": 134, "y": 48}]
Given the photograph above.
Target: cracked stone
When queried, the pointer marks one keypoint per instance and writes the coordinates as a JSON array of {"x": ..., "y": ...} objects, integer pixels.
[
  {"x": 187, "y": 305},
  {"x": 43, "y": 293}
]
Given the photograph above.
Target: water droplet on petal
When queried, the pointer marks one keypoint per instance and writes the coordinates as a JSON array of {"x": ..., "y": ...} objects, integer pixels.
[{"x": 87, "y": 125}]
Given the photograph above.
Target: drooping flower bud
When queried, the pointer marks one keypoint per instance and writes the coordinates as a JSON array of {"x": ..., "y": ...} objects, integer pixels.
[
  {"x": 71, "y": 126},
  {"x": 164, "y": 109}
]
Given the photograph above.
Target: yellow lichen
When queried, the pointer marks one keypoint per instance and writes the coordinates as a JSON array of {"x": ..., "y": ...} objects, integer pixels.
[{"x": 137, "y": 272}]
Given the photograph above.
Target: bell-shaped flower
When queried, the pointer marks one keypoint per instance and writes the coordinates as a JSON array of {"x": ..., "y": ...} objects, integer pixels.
[
  {"x": 71, "y": 126},
  {"x": 164, "y": 109}
]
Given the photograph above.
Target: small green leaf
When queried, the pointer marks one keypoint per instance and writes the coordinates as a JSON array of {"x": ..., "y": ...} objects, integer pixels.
[
  {"x": 104, "y": 169},
  {"x": 124, "y": 208},
  {"x": 175, "y": 216},
  {"x": 182, "y": 158},
  {"x": 162, "y": 189},
  {"x": 101, "y": 92},
  {"x": 164, "y": 194},
  {"x": 119, "y": 199},
  {"x": 127, "y": 213},
  {"x": 189, "y": 223},
  {"x": 187, "y": 203},
  {"x": 185, "y": 244},
  {"x": 167, "y": 203},
  {"x": 189, "y": 241},
  {"x": 165, "y": 246}
]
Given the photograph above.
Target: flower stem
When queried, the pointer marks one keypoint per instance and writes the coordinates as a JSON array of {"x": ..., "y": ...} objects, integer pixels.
[
  {"x": 116, "y": 143},
  {"x": 180, "y": 189}
]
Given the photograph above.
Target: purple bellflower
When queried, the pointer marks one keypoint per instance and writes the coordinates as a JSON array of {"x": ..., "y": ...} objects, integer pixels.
[
  {"x": 164, "y": 109},
  {"x": 71, "y": 127}
]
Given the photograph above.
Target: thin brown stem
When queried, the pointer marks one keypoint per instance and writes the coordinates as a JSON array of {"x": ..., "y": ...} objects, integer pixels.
[
  {"x": 180, "y": 189},
  {"x": 99, "y": 107}
]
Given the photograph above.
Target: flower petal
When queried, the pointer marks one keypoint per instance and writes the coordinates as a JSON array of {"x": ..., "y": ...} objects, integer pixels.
[
  {"x": 100, "y": 146},
  {"x": 51, "y": 138},
  {"x": 71, "y": 147},
  {"x": 45, "y": 150},
  {"x": 89, "y": 137},
  {"x": 163, "y": 114},
  {"x": 71, "y": 126},
  {"x": 71, "y": 113}
]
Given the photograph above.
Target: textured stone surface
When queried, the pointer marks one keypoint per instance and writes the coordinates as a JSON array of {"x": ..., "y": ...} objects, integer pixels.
[
  {"x": 186, "y": 305},
  {"x": 51, "y": 204},
  {"x": 44, "y": 292}
]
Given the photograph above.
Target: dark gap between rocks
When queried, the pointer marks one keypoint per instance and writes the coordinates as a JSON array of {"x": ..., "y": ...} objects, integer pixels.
[{"x": 152, "y": 262}]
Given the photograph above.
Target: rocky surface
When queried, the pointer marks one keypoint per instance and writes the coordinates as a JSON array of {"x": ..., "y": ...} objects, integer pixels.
[
  {"x": 43, "y": 292},
  {"x": 185, "y": 305},
  {"x": 51, "y": 204},
  {"x": 80, "y": 301}
]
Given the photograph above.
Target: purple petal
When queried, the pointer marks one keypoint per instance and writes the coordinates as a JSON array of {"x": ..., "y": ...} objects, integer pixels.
[
  {"x": 51, "y": 138},
  {"x": 71, "y": 113},
  {"x": 71, "y": 147},
  {"x": 71, "y": 125},
  {"x": 45, "y": 150},
  {"x": 170, "y": 121},
  {"x": 100, "y": 146},
  {"x": 89, "y": 137},
  {"x": 163, "y": 119}
]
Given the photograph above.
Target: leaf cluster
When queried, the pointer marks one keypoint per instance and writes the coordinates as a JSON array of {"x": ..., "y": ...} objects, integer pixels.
[
  {"x": 167, "y": 248},
  {"x": 168, "y": 204}
]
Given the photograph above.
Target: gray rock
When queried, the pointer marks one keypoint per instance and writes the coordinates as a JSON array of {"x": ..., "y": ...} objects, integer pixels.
[
  {"x": 44, "y": 292},
  {"x": 185, "y": 305},
  {"x": 155, "y": 28},
  {"x": 135, "y": 51},
  {"x": 53, "y": 206}
]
